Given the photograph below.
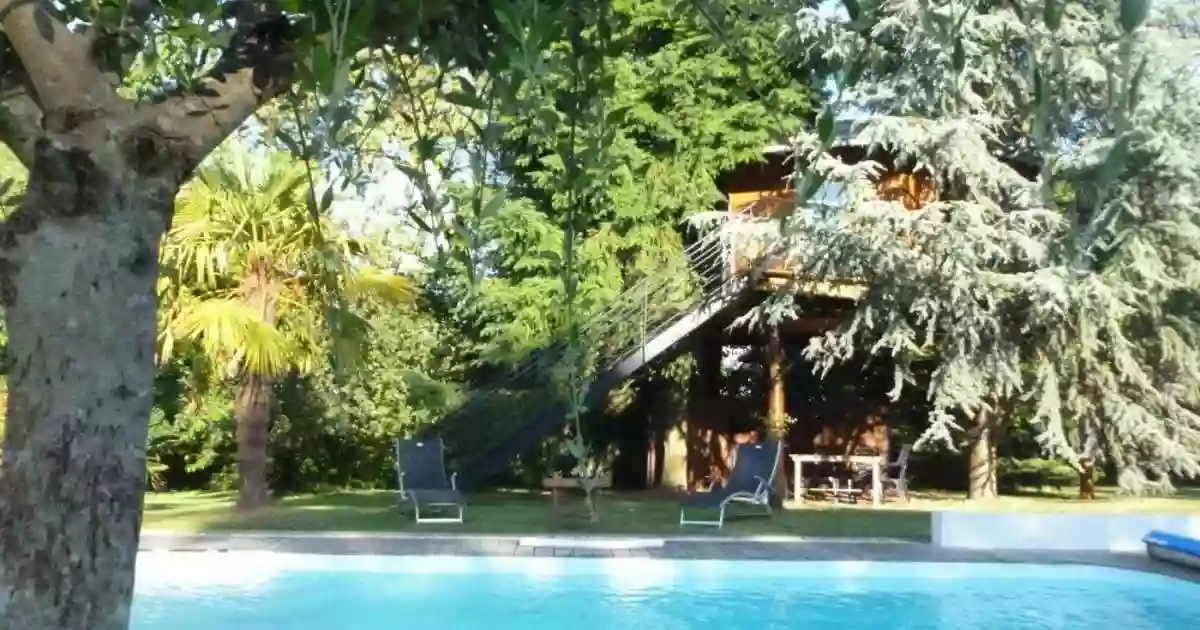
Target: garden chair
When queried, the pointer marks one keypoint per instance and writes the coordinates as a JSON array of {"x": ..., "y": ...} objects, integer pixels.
[
  {"x": 751, "y": 481},
  {"x": 421, "y": 473},
  {"x": 894, "y": 474}
]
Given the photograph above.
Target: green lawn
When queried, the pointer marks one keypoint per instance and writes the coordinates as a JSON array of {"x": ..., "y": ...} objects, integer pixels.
[
  {"x": 621, "y": 513},
  {"x": 517, "y": 513}
]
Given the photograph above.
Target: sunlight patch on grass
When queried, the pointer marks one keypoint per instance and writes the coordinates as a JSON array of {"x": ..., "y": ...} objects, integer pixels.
[
  {"x": 515, "y": 513},
  {"x": 519, "y": 513}
]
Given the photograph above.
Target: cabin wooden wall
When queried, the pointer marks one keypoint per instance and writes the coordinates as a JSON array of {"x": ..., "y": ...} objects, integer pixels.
[
  {"x": 764, "y": 190},
  {"x": 848, "y": 411}
]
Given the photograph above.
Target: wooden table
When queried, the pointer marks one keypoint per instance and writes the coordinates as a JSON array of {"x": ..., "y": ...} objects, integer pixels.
[{"x": 874, "y": 461}]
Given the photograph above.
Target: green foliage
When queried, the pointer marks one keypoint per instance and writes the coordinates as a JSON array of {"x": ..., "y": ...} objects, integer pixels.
[
  {"x": 1037, "y": 473},
  {"x": 13, "y": 176},
  {"x": 674, "y": 115},
  {"x": 676, "y": 108},
  {"x": 190, "y": 443},
  {"x": 1058, "y": 268},
  {"x": 338, "y": 435},
  {"x": 325, "y": 432},
  {"x": 637, "y": 110},
  {"x": 251, "y": 277}
]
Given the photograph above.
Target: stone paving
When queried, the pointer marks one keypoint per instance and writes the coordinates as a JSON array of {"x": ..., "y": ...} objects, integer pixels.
[{"x": 672, "y": 549}]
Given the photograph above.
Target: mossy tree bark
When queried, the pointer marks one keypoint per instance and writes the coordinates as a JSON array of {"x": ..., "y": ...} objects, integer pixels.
[
  {"x": 79, "y": 291},
  {"x": 78, "y": 268}
]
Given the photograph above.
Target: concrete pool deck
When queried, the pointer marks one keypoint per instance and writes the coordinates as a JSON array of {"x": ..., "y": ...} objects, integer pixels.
[{"x": 667, "y": 548}]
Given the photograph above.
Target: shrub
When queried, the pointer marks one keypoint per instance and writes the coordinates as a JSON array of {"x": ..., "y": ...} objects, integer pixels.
[{"x": 1037, "y": 473}]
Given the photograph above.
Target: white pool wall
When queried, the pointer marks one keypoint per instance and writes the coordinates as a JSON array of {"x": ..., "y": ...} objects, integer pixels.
[{"x": 1057, "y": 532}]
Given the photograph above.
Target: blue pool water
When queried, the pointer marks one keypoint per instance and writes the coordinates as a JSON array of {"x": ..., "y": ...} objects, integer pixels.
[{"x": 250, "y": 591}]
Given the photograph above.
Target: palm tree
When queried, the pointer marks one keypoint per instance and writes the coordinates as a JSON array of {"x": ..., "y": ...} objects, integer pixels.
[{"x": 261, "y": 285}]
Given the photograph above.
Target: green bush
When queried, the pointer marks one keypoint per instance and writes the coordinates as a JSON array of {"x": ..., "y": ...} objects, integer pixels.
[
  {"x": 192, "y": 446},
  {"x": 1037, "y": 473}
]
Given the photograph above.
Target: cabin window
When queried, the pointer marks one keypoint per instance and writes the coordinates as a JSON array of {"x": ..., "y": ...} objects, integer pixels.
[{"x": 913, "y": 190}]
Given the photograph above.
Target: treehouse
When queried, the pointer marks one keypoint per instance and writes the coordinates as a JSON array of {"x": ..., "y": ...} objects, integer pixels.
[
  {"x": 747, "y": 380},
  {"x": 764, "y": 190},
  {"x": 846, "y": 412}
]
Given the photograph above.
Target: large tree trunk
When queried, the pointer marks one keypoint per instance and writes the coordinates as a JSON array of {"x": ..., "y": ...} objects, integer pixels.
[
  {"x": 77, "y": 281},
  {"x": 981, "y": 461},
  {"x": 253, "y": 410},
  {"x": 78, "y": 267}
]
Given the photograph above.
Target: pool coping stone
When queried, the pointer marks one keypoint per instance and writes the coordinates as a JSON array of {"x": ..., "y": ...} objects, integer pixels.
[
  {"x": 673, "y": 548},
  {"x": 347, "y": 534}
]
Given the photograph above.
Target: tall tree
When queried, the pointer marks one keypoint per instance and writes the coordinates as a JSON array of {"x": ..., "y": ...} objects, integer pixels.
[
  {"x": 678, "y": 113},
  {"x": 252, "y": 278},
  {"x": 79, "y": 256},
  {"x": 1058, "y": 263}
]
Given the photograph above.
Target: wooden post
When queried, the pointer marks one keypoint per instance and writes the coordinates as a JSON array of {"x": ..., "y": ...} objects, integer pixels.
[{"x": 776, "y": 405}]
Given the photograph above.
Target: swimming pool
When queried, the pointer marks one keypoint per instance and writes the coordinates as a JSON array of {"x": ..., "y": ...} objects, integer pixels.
[{"x": 268, "y": 591}]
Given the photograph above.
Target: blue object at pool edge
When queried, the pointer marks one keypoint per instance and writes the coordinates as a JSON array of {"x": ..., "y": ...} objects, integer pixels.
[
  {"x": 1174, "y": 542},
  {"x": 1173, "y": 548}
]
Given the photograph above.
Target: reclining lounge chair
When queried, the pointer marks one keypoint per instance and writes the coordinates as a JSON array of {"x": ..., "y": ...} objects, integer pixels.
[
  {"x": 751, "y": 481},
  {"x": 421, "y": 471}
]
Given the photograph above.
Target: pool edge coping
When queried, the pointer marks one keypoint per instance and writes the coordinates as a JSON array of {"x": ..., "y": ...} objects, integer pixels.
[
  {"x": 433, "y": 536},
  {"x": 772, "y": 548}
]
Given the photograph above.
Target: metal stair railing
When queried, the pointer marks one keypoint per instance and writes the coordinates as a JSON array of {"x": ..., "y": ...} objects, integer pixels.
[
  {"x": 629, "y": 304},
  {"x": 617, "y": 359},
  {"x": 619, "y": 364},
  {"x": 617, "y": 342}
]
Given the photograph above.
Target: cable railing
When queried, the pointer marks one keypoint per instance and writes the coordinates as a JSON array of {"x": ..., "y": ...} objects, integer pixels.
[
  {"x": 632, "y": 303},
  {"x": 548, "y": 412},
  {"x": 523, "y": 391}
]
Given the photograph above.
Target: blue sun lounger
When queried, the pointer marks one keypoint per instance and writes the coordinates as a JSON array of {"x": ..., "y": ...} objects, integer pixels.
[
  {"x": 1173, "y": 548},
  {"x": 750, "y": 481},
  {"x": 421, "y": 473}
]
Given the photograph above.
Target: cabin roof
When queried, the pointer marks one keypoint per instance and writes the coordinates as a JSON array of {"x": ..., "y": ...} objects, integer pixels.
[
  {"x": 843, "y": 131},
  {"x": 846, "y": 132}
]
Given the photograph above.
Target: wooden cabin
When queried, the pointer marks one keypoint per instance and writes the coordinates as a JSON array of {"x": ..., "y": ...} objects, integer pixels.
[
  {"x": 766, "y": 190},
  {"x": 849, "y": 410}
]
